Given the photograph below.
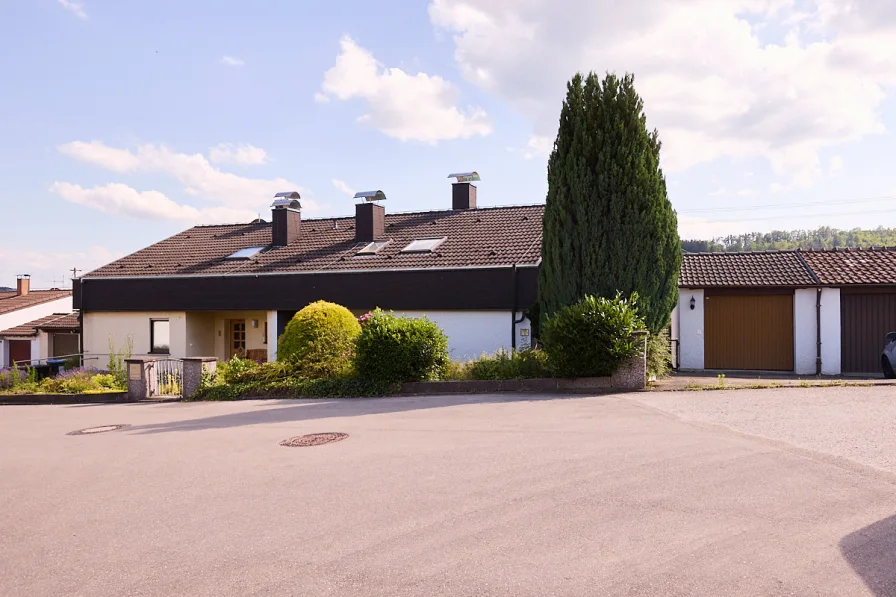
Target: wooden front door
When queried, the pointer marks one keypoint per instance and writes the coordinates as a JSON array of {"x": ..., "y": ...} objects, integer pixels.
[
  {"x": 19, "y": 352},
  {"x": 749, "y": 331},
  {"x": 865, "y": 320},
  {"x": 237, "y": 338}
]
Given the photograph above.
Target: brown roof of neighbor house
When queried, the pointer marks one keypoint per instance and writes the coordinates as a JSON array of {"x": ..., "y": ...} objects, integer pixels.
[
  {"x": 497, "y": 236},
  {"x": 61, "y": 322},
  {"x": 10, "y": 301},
  {"x": 853, "y": 266},
  {"x": 738, "y": 270}
]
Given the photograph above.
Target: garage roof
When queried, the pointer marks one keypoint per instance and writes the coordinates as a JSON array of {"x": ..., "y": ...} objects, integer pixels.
[
  {"x": 843, "y": 267},
  {"x": 744, "y": 270}
]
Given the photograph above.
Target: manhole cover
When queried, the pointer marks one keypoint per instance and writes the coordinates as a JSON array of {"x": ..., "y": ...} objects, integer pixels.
[
  {"x": 92, "y": 430},
  {"x": 313, "y": 439}
]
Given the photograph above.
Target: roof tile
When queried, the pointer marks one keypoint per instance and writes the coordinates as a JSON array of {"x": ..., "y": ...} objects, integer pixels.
[
  {"x": 853, "y": 266},
  {"x": 742, "y": 270},
  {"x": 10, "y": 301}
]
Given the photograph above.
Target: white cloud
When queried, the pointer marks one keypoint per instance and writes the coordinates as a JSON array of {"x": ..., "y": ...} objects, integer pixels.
[
  {"x": 340, "y": 185},
  {"x": 229, "y": 60},
  {"x": 198, "y": 176},
  {"x": 835, "y": 165},
  {"x": 407, "y": 107},
  {"x": 694, "y": 228},
  {"x": 76, "y": 8},
  {"x": 51, "y": 268},
  {"x": 712, "y": 84},
  {"x": 246, "y": 155},
  {"x": 121, "y": 200}
]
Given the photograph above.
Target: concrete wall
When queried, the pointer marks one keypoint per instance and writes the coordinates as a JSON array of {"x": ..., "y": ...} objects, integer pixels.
[
  {"x": 272, "y": 336},
  {"x": 805, "y": 343},
  {"x": 690, "y": 329},
  {"x": 472, "y": 333},
  {"x": 99, "y": 327},
  {"x": 830, "y": 331},
  {"x": 11, "y": 320},
  {"x": 675, "y": 334}
]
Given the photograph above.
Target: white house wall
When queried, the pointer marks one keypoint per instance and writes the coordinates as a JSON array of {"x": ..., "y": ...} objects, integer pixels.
[
  {"x": 99, "y": 327},
  {"x": 690, "y": 329},
  {"x": 16, "y": 318},
  {"x": 472, "y": 333}
]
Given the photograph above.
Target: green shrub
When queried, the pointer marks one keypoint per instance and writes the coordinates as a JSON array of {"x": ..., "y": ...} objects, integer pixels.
[
  {"x": 394, "y": 349},
  {"x": 320, "y": 340},
  {"x": 592, "y": 337},
  {"x": 523, "y": 364},
  {"x": 659, "y": 355},
  {"x": 84, "y": 380},
  {"x": 293, "y": 388},
  {"x": 236, "y": 370}
]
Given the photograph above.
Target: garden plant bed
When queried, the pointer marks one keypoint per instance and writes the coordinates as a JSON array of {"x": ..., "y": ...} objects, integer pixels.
[
  {"x": 103, "y": 398},
  {"x": 581, "y": 385}
]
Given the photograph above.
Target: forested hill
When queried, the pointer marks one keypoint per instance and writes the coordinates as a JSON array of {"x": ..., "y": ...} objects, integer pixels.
[{"x": 822, "y": 238}]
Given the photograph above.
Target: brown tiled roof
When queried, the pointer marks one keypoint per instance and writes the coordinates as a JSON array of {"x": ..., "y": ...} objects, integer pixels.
[
  {"x": 474, "y": 238},
  {"x": 57, "y": 321},
  {"x": 739, "y": 270},
  {"x": 10, "y": 301},
  {"x": 853, "y": 266}
]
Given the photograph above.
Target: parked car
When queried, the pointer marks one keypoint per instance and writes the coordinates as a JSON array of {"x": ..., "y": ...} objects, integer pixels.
[{"x": 888, "y": 358}]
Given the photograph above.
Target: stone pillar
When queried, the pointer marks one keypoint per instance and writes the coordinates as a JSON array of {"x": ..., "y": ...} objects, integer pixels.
[
  {"x": 140, "y": 378},
  {"x": 194, "y": 367}
]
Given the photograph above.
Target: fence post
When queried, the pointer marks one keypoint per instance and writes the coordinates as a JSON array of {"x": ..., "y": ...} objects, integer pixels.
[
  {"x": 140, "y": 378},
  {"x": 194, "y": 367}
]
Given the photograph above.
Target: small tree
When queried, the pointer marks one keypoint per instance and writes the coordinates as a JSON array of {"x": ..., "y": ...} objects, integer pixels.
[{"x": 608, "y": 224}]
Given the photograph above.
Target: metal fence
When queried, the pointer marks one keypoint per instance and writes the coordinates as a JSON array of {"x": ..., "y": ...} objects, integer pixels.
[{"x": 166, "y": 377}]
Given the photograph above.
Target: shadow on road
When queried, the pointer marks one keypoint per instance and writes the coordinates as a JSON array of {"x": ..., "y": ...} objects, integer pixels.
[
  {"x": 872, "y": 554},
  {"x": 308, "y": 410}
]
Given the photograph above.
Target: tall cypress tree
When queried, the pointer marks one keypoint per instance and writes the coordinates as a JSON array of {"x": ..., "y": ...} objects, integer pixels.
[{"x": 608, "y": 223}]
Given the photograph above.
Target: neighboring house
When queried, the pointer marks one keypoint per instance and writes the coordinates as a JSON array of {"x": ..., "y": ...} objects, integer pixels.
[
  {"x": 56, "y": 335},
  {"x": 24, "y": 305},
  {"x": 230, "y": 290},
  {"x": 804, "y": 311}
]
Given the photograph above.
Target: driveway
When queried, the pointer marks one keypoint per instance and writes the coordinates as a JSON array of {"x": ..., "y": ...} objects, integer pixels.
[{"x": 485, "y": 496}]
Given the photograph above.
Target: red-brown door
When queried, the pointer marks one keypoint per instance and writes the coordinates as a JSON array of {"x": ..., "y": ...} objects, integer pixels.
[{"x": 19, "y": 352}]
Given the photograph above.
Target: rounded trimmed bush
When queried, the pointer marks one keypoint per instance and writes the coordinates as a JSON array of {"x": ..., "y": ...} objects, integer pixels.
[
  {"x": 593, "y": 337},
  {"x": 319, "y": 340},
  {"x": 394, "y": 349}
]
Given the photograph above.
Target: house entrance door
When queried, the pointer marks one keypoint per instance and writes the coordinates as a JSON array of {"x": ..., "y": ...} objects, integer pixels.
[{"x": 237, "y": 338}]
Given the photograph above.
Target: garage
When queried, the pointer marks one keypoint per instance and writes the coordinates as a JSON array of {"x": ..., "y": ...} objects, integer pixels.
[
  {"x": 749, "y": 331},
  {"x": 19, "y": 352},
  {"x": 866, "y": 317}
]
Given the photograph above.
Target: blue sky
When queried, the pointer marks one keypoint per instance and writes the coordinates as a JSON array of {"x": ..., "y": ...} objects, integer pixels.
[{"x": 126, "y": 122}]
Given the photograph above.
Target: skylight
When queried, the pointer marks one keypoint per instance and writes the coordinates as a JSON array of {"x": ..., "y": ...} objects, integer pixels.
[
  {"x": 373, "y": 248},
  {"x": 424, "y": 245},
  {"x": 245, "y": 253}
]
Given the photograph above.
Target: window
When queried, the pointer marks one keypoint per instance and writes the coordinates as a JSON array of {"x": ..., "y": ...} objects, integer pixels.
[
  {"x": 245, "y": 253},
  {"x": 424, "y": 245},
  {"x": 159, "y": 336},
  {"x": 373, "y": 248}
]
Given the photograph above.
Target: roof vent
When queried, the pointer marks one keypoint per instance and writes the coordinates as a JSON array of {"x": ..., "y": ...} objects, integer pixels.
[
  {"x": 463, "y": 192},
  {"x": 371, "y": 196}
]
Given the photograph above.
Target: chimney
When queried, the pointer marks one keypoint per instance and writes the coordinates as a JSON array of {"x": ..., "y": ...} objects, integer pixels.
[
  {"x": 370, "y": 217},
  {"x": 23, "y": 285},
  {"x": 463, "y": 195},
  {"x": 286, "y": 218},
  {"x": 463, "y": 191}
]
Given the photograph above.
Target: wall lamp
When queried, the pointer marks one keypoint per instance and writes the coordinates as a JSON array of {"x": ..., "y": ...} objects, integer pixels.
[{"x": 693, "y": 303}]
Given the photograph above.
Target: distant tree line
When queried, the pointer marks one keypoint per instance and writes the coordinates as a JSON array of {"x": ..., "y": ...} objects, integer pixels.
[{"x": 824, "y": 237}]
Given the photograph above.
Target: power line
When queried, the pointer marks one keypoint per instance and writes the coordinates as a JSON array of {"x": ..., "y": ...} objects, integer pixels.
[
  {"x": 788, "y": 205},
  {"x": 813, "y": 215}
]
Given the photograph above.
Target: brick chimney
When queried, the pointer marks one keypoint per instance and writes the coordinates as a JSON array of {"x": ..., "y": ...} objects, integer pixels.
[
  {"x": 370, "y": 222},
  {"x": 286, "y": 219},
  {"x": 463, "y": 195},
  {"x": 23, "y": 285}
]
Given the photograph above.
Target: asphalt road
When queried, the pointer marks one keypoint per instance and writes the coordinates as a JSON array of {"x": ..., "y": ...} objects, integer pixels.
[{"x": 431, "y": 496}]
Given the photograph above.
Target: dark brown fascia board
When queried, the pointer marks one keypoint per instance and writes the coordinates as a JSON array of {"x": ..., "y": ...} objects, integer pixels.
[{"x": 316, "y": 272}]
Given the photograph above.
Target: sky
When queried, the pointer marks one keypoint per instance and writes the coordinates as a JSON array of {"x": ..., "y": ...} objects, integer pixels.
[{"x": 126, "y": 122}]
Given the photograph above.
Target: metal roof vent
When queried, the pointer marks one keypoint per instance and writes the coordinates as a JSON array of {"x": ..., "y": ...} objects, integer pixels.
[
  {"x": 287, "y": 200},
  {"x": 371, "y": 196}
]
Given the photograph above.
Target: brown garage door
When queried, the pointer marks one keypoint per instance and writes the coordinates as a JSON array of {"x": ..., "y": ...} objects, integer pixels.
[
  {"x": 865, "y": 321},
  {"x": 749, "y": 331},
  {"x": 19, "y": 352}
]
